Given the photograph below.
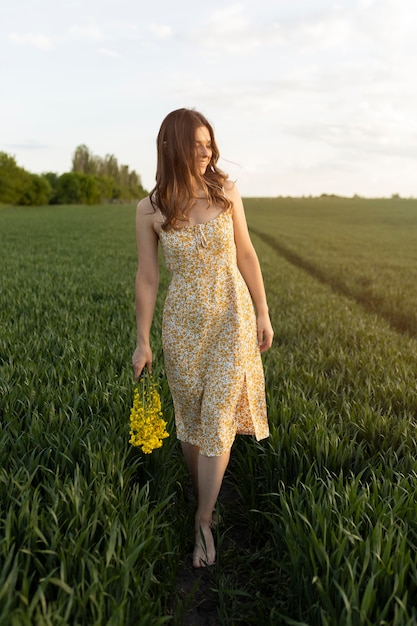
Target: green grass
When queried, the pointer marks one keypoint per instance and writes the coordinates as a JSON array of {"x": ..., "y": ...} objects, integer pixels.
[
  {"x": 85, "y": 538},
  {"x": 322, "y": 527},
  {"x": 365, "y": 249}
]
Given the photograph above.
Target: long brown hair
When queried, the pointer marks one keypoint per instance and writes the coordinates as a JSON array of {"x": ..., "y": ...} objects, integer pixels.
[{"x": 177, "y": 171}]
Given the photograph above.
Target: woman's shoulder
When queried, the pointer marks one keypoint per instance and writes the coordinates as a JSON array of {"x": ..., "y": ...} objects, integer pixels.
[
  {"x": 231, "y": 191},
  {"x": 147, "y": 212},
  {"x": 145, "y": 206},
  {"x": 228, "y": 185}
]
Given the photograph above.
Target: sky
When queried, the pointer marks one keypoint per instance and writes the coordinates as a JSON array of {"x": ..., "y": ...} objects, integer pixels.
[{"x": 306, "y": 96}]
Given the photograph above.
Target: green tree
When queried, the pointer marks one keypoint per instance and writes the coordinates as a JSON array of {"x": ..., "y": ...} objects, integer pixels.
[
  {"x": 68, "y": 189},
  {"x": 36, "y": 190},
  {"x": 77, "y": 188},
  {"x": 52, "y": 178},
  {"x": 11, "y": 178},
  {"x": 90, "y": 189},
  {"x": 17, "y": 186},
  {"x": 83, "y": 161},
  {"x": 92, "y": 180},
  {"x": 114, "y": 182}
]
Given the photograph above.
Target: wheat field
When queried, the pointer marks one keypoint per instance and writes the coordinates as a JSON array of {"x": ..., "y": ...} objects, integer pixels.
[{"x": 323, "y": 526}]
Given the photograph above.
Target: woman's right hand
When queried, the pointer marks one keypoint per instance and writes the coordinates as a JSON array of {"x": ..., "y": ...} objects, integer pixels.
[{"x": 142, "y": 357}]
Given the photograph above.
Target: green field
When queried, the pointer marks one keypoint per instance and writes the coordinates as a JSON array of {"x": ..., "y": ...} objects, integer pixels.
[{"x": 323, "y": 527}]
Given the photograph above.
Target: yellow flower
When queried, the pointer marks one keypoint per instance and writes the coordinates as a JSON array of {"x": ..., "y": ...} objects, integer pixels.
[{"x": 147, "y": 428}]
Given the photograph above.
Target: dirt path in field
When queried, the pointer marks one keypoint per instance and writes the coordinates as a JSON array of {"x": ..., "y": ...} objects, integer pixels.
[
  {"x": 199, "y": 601},
  {"x": 196, "y": 588}
]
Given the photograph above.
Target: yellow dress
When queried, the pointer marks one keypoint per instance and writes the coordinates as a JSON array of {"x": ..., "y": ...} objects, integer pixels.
[{"x": 212, "y": 360}]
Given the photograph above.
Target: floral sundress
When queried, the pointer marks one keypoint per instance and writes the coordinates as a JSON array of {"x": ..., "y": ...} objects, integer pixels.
[{"x": 212, "y": 360}]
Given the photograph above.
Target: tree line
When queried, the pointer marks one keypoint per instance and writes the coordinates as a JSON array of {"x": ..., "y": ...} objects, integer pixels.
[{"x": 92, "y": 180}]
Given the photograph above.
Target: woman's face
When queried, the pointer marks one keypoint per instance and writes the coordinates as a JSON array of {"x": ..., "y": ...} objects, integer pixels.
[{"x": 203, "y": 149}]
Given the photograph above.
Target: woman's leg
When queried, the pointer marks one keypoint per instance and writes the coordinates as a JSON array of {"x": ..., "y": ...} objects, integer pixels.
[
  {"x": 210, "y": 473},
  {"x": 191, "y": 454}
]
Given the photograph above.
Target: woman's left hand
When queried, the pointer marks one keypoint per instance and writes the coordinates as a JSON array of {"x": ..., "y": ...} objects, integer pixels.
[{"x": 265, "y": 332}]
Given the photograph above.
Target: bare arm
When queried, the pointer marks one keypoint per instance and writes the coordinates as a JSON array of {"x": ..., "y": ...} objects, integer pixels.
[
  {"x": 249, "y": 267},
  {"x": 146, "y": 284}
]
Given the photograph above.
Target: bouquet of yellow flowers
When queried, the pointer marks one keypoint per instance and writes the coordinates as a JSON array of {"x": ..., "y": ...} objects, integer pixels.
[{"x": 147, "y": 428}]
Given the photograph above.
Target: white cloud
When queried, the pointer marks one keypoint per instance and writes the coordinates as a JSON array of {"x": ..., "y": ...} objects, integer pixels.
[
  {"x": 233, "y": 30},
  {"x": 91, "y": 32},
  {"x": 318, "y": 32},
  {"x": 42, "y": 42},
  {"x": 28, "y": 144},
  {"x": 161, "y": 31},
  {"x": 113, "y": 54},
  {"x": 387, "y": 22}
]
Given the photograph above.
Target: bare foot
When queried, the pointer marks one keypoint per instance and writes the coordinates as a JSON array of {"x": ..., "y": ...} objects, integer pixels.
[{"x": 204, "y": 551}]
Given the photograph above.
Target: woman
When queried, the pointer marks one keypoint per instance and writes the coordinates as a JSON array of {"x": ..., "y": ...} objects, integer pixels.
[{"x": 212, "y": 337}]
